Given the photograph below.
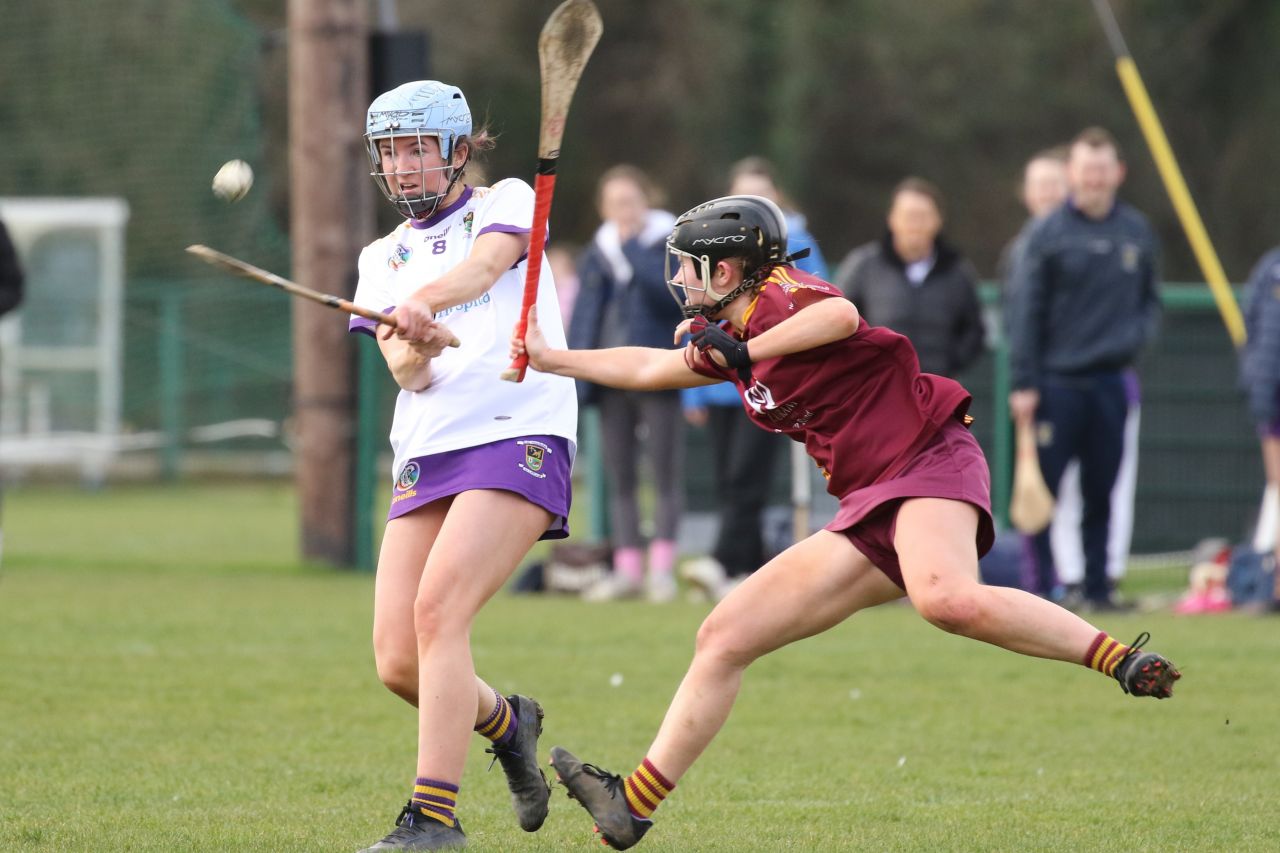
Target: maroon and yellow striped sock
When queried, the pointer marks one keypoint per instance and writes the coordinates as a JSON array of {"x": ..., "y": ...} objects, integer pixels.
[
  {"x": 646, "y": 789},
  {"x": 500, "y": 726},
  {"x": 1105, "y": 653},
  {"x": 436, "y": 799}
]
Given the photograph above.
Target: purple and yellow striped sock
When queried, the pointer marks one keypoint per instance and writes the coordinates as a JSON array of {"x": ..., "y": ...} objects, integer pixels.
[
  {"x": 436, "y": 799},
  {"x": 1105, "y": 653},
  {"x": 646, "y": 789},
  {"x": 500, "y": 726}
]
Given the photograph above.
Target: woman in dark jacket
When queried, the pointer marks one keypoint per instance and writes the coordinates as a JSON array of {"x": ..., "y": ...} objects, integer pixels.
[{"x": 623, "y": 301}]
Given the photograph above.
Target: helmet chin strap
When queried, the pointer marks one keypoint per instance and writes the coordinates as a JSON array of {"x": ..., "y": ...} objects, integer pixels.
[{"x": 746, "y": 284}]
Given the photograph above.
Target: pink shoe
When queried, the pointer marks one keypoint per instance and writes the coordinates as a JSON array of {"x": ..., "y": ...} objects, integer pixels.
[
  {"x": 1203, "y": 602},
  {"x": 1192, "y": 603},
  {"x": 1217, "y": 602}
]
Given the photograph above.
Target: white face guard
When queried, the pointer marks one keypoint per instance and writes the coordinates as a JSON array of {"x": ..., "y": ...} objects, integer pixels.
[
  {"x": 702, "y": 265},
  {"x": 680, "y": 291},
  {"x": 423, "y": 204}
]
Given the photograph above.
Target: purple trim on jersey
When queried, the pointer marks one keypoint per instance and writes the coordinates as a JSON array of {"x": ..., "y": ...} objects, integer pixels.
[
  {"x": 509, "y": 229},
  {"x": 443, "y": 212},
  {"x": 536, "y": 467},
  {"x": 1132, "y": 388},
  {"x": 505, "y": 229},
  {"x": 368, "y": 327},
  {"x": 950, "y": 466}
]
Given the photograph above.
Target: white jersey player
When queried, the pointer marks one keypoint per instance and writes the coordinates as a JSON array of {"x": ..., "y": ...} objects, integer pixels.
[{"x": 481, "y": 467}]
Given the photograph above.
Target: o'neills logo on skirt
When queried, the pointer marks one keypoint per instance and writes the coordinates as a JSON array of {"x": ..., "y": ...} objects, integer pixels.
[{"x": 535, "y": 454}]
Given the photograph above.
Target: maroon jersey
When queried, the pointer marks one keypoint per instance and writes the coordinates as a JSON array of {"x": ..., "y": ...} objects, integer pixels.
[{"x": 860, "y": 405}]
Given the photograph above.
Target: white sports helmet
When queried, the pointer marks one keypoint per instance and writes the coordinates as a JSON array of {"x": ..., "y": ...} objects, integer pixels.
[{"x": 414, "y": 110}]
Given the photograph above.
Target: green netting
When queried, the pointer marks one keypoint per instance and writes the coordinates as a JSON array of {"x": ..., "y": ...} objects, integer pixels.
[{"x": 144, "y": 100}]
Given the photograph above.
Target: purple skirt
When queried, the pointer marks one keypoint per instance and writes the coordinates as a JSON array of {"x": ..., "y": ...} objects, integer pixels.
[
  {"x": 950, "y": 466},
  {"x": 536, "y": 467}
]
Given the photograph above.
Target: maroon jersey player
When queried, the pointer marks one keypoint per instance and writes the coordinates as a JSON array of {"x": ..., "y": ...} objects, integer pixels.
[{"x": 894, "y": 445}]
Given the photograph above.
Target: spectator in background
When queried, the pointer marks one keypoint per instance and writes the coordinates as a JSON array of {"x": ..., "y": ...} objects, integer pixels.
[
  {"x": 1260, "y": 376},
  {"x": 564, "y": 269},
  {"x": 914, "y": 282},
  {"x": 1043, "y": 190},
  {"x": 1086, "y": 302},
  {"x": 755, "y": 176},
  {"x": 744, "y": 458},
  {"x": 10, "y": 287},
  {"x": 623, "y": 301}
]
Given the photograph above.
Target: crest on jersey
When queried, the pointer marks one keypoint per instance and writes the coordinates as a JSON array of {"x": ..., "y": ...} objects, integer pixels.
[
  {"x": 399, "y": 256},
  {"x": 533, "y": 457},
  {"x": 408, "y": 476},
  {"x": 467, "y": 221},
  {"x": 1044, "y": 434},
  {"x": 1129, "y": 257},
  {"x": 759, "y": 397},
  {"x": 535, "y": 454}
]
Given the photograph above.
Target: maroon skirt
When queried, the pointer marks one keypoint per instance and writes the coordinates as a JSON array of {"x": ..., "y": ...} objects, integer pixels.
[{"x": 950, "y": 466}]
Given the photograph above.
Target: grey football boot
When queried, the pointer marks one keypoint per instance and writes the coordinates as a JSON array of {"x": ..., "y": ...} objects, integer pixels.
[
  {"x": 530, "y": 792},
  {"x": 602, "y": 794},
  {"x": 416, "y": 831},
  {"x": 1146, "y": 673}
]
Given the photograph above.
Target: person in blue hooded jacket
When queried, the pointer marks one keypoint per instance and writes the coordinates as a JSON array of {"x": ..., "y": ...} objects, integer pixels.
[{"x": 623, "y": 301}]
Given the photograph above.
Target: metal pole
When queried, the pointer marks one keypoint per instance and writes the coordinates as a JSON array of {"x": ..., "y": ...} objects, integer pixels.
[
  {"x": 171, "y": 383},
  {"x": 1171, "y": 175}
]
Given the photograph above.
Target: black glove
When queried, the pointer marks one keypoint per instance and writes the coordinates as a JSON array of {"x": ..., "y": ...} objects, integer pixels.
[{"x": 707, "y": 336}]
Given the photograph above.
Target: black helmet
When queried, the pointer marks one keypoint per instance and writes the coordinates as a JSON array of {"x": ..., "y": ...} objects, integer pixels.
[{"x": 736, "y": 226}]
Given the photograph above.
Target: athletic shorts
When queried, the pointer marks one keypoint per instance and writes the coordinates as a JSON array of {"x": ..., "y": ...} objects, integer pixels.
[
  {"x": 536, "y": 467},
  {"x": 950, "y": 466}
]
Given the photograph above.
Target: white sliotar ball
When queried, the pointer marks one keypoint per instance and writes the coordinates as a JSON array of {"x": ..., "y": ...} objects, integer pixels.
[{"x": 233, "y": 180}]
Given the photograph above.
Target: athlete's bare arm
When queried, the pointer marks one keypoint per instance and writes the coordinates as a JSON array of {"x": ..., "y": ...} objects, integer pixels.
[
  {"x": 812, "y": 326},
  {"x": 823, "y": 322},
  {"x": 410, "y": 361},
  {"x": 628, "y": 368},
  {"x": 491, "y": 255}
]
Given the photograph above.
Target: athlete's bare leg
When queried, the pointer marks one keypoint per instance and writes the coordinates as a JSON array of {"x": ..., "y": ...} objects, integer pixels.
[
  {"x": 434, "y": 575},
  {"x": 484, "y": 536},
  {"x": 934, "y": 539},
  {"x": 405, "y": 544},
  {"x": 813, "y": 585}
]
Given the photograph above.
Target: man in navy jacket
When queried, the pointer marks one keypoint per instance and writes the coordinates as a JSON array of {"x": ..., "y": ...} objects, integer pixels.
[{"x": 1086, "y": 302}]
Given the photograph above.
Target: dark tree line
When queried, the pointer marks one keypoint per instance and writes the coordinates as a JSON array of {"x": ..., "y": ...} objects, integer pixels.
[
  {"x": 845, "y": 96},
  {"x": 848, "y": 96}
]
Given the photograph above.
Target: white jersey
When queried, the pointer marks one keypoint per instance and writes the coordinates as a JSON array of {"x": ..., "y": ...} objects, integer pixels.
[{"x": 467, "y": 404}]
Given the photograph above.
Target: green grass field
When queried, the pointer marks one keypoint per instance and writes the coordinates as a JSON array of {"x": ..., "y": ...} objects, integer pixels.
[{"x": 171, "y": 679}]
